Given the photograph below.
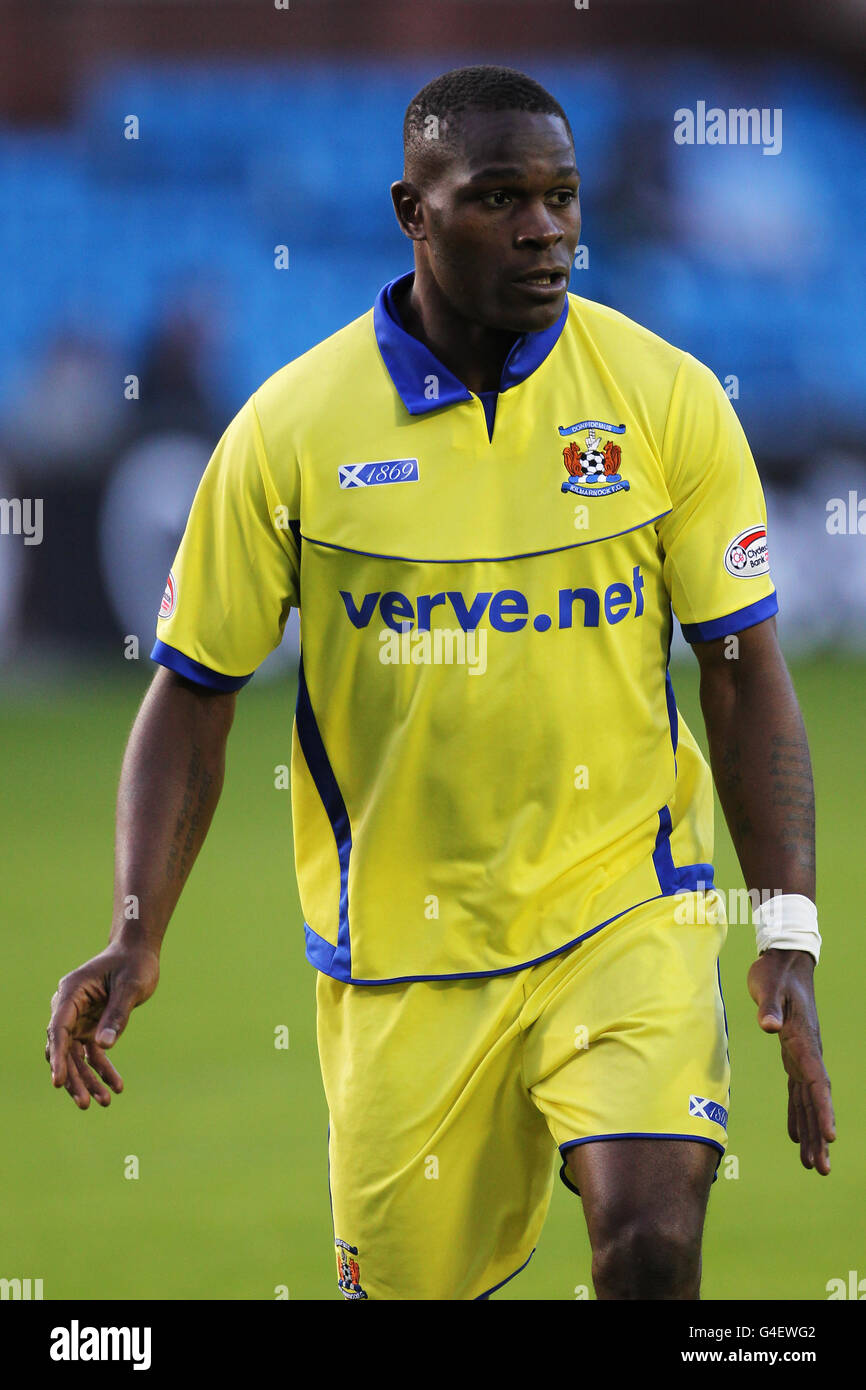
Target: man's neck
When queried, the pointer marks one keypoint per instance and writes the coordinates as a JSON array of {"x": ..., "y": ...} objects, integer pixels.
[{"x": 476, "y": 355}]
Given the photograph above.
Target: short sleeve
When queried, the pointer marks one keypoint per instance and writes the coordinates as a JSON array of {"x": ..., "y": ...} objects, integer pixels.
[
  {"x": 714, "y": 539},
  {"x": 236, "y": 573}
]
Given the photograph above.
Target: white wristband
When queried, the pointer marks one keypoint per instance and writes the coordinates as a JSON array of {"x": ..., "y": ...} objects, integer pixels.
[{"x": 787, "y": 922}]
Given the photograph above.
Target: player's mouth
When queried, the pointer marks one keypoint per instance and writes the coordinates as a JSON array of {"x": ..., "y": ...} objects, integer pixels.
[{"x": 543, "y": 283}]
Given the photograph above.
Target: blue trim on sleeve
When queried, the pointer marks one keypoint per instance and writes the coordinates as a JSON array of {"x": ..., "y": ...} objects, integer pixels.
[
  {"x": 194, "y": 670},
  {"x": 410, "y": 362},
  {"x": 331, "y": 960},
  {"x": 732, "y": 622}
]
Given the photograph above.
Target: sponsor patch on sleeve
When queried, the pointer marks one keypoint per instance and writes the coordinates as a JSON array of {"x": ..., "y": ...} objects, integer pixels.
[
  {"x": 169, "y": 598},
  {"x": 747, "y": 555}
]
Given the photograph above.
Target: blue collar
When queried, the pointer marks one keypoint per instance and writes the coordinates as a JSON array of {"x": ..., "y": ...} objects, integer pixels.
[{"x": 410, "y": 362}]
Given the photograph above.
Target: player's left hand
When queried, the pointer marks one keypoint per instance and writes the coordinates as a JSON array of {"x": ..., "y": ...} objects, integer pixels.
[{"x": 781, "y": 984}]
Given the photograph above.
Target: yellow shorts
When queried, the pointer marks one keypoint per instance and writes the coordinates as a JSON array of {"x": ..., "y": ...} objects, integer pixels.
[{"x": 447, "y": 1098}]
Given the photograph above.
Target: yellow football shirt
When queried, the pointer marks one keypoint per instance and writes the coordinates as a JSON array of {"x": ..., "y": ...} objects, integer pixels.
[{"x": 487, "y": 762}]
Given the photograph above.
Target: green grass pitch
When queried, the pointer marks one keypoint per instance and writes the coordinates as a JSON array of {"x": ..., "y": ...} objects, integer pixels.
[{"x": 229, "y": 1132}]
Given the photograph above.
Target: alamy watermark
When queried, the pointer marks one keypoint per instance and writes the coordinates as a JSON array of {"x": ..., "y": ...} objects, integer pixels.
[
  {"x": 77, "y": 1343},
  {"x": 707, "y": 905},
  {"x": 22, "y": 516},
  {"x": 22, "y": 1290},
  {"x": 847, "y": 516},
  {"x": 439, "y": 646},
  {"x": 736, "y": 126}
]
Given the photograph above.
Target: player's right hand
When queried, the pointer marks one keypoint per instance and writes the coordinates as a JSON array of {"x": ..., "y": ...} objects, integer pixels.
[{"x": 89, "y": 1012}]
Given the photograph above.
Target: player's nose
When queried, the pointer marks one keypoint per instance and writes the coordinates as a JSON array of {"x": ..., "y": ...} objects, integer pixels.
[{"x": 540, "y": 230}]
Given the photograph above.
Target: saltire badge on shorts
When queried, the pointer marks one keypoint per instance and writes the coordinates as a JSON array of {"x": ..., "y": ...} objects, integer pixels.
[
  {"x": 349, "y": 1270},
  {"x": 708, "y": 1110}
]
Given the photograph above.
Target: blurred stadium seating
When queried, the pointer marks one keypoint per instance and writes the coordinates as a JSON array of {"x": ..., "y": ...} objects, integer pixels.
[
  {"x": 754, "y": 263},
  {"x": 752, "y": 254}
]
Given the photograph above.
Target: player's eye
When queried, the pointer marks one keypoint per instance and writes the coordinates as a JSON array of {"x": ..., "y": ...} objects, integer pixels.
[
  {"x": 489, "y": 199},
  {"x": 567, "y": 195}
]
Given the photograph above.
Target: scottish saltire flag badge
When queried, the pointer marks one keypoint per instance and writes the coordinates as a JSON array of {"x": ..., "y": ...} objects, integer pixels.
[
  {"x": 708, "y": 1110},
  {"x": 375, "y": 474}
]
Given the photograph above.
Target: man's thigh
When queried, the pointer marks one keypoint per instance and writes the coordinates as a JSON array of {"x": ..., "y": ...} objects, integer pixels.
[
  {"x": 626, "y": 1056},
  {"x": 441, "y": 1167},
  {"x": 626, "y": 1034},
  {"x": 644, "y": 1201}
]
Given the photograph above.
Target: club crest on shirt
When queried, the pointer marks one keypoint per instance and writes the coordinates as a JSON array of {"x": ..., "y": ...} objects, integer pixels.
[
  {"x": 593, "y": 464},
  {"x": 349, "y": 1270}
]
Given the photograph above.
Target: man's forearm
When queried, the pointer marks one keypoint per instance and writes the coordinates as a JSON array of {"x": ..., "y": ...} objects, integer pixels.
[
  {"x": 763, "y": 774},
  {"x": 170, "y": 784},
  {"x": 761, "y": 765}
]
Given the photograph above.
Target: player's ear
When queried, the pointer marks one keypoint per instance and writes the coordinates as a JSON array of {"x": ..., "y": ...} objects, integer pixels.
[{"x": 406, "y": 197}]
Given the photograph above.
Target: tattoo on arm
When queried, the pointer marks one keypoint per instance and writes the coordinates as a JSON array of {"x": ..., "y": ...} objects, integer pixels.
[
  {"x": 732, "y": 780},
  {"x": 189, "y": 821},
  {"x": 793, "y": 792},
  {"x": 792, "y": 797}
]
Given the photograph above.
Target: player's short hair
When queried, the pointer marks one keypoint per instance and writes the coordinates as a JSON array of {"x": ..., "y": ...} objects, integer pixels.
[{"x": 431, "y": 126}]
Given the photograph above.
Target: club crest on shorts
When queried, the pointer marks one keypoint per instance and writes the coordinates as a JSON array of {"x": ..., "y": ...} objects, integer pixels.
[
  {"x": 348, "y": 1270},
  {"x": 593, "y": 463},
  {"x": 169, "y": 598}
]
